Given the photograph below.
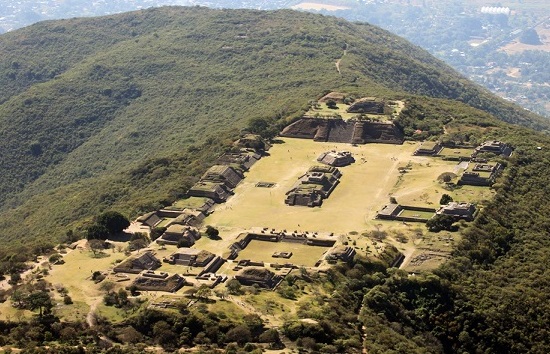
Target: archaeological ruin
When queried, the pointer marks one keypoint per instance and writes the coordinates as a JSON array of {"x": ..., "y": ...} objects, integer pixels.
[
  {"x": 138, "y": 263},
  {"x": 336, "y": 158},
  {"x": 458, "y": 210},
  {"x": 481, "y": 174},
  {"x": 405, "y": 213},
  {"x": 314, "y": 186},
  {"x": 190, "y": 257},
  {"x": 337, "y": 130},
  {"x": 152, "y": 281},
  {"x": 342, "y": 253},
  {"x": 495, "y": 147},
  {"x": 367, "y": 106},
  {"x": 258, "y": 276},
  {"x": 429, "y": 148},
  {"x": 177, "y": 234}
]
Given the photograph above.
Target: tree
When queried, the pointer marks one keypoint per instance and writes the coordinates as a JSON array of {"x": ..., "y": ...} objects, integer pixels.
[
  {"x": 113, "y": 221},
  {"x": 97, "y": 232},
  {"x": 332, "y": 104},
  {"x": 270, "y": 336},
  {"x": 40, "y": 300},
  {"x": 240, "y": 334},
  {"x": 163, "y": 335},
  {"x": 96, "y": 246},
  {"x": 530, "y": 36},
  {"x": 203, "y": 292},
  {"x": 212, "y": 232},
  {"x": 445, "y": 199},
  {"x": 138, "y": 244},
  {"x": 156, "y": 232},
  {"x": 234, "y": 287},
  {"x": 67, "y": 300},
  {"x": 440, "y": 222}
]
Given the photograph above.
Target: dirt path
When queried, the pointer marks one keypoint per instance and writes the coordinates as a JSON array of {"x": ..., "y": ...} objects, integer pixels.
[
  {"x": 339, "y": 60},
  {"x": 90, "y": 317}
]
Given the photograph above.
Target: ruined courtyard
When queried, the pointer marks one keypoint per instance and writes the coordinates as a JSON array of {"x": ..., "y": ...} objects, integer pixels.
[{"x": 363, "y": 187}]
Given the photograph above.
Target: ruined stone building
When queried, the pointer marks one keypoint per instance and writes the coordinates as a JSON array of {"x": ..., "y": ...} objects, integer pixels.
[
  {"x": 336, "y": 158},
  {"x": 464, "y": 211},
  {"x": 243, "y": 159},
  {"x": 367, "y": 106},
  {"x": 190, "y": 257},
  {"x": 495, "y": 147},
  {"x": 481, "y": 174},
  {"x": 258, "y": 275},
  {"x": 217, "y": 191},
  {"x": 138, "y": 263},
  {"x": 429, "y": 148},
  {"x": 222, "y": 174},
  {"x": 177, "y": 234},
  {"x": 343, "y": 253},
  {"x": 314, "y": 186},
  {"x": 340, "y": 131}
]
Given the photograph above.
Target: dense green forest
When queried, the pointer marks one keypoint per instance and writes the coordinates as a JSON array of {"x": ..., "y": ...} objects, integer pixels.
[{"x": 126, "y": 112}]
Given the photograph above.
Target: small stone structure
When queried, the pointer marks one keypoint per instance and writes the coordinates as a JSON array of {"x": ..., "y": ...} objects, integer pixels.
[
  {"x": 219, "y": 181},
  {"x": 190, "y": 257},
  {"x": 367, "y": 106},
  {"x": 176, "y": 234},
  {"x": 150, "y": 219},
  {"x": 265, "y": 184},
  {"x": 429, "y": 148},
  {"x": 459, "y": 211},
  {"x": 336, "y": 158},
  {"x": 189, "y": 217},
  {"x": 258, "y": 275},
  {"x": 216, "y": 191},
  {"x": 286, "y": 255},
  {"x": 151, "y": 281},
  {"x": 202, "y": 204},
  {"x": 396, "y": 211},
  {"x": 306, "y": 196},
  {"x": 243, "y": 159},
  {"x": 343, "y": 253},
  {"x": 333, "y": 96},
  {"x": 314, "y": 186},
  {"x": 481, "y": 174},
  {"x": 494, "y": 146},
  {"x": 223, "y": 174},
  {"x": 252, "y": 141},
  {"x": 138, "y": 263}
]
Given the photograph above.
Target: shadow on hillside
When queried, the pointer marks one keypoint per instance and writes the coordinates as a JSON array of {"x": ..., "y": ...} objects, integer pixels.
[{"x": 121, "y": 237}]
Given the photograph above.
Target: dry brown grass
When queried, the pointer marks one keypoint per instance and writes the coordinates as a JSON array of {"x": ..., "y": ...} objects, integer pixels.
[{"x": 363, "y": 189}]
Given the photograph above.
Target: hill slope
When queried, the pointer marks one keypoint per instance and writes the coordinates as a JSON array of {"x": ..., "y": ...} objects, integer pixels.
[{"x": 109, "y": 93}]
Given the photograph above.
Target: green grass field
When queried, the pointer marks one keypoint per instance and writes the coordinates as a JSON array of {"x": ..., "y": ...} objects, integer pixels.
[
  {"x": 419, "y": 186},
  {"x": 416, "y": 214},
  {"x": 164, "y": 222},
  {"x": 461, "y": 153}
]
